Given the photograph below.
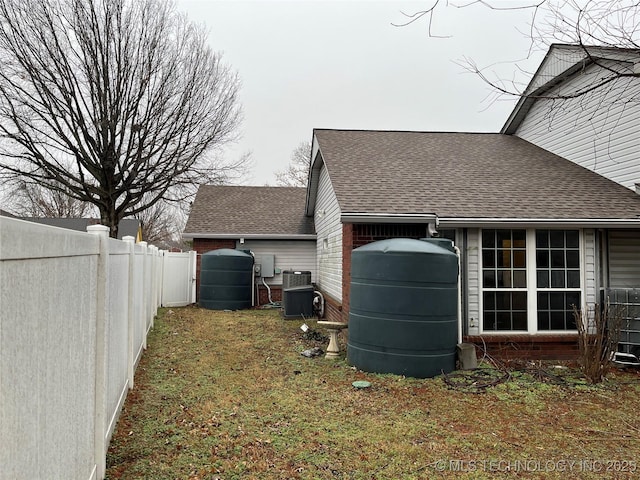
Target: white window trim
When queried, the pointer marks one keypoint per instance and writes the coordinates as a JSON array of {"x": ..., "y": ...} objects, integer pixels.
[{"x": 532, "y": 297}]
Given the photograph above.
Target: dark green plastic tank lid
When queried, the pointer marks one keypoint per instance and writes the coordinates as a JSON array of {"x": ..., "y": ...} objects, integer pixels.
[
  {"x": 399, "y": 245},
  {"x": 442, "y": 242},
  {"x": 227, "y": 252}
]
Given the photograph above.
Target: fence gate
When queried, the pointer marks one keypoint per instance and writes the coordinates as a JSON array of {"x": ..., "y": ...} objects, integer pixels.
[{"x": 178, "y": 279}]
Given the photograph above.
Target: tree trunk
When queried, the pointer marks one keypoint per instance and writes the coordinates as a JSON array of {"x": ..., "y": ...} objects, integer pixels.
[{"x": 109, "y": 218}]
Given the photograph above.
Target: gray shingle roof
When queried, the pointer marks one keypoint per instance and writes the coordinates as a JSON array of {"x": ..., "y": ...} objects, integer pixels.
[
  {"x": 229, "y": 210},
  {"x": 465, "y": 175}
]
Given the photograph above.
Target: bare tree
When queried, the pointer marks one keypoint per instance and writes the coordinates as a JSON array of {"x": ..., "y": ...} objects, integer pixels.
[
  {"x": 118, "y": 103},
  {"x": 295, "y": 175},
  {"x": 584, "y": 23},
  {"x": 32, "y": 200},
  {"x": 161, "y": 224}
]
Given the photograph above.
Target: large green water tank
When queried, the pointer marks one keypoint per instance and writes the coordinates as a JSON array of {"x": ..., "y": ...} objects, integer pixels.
[
  {"x": 403, "y": 307},
  {"x": 225, "y": 279}
]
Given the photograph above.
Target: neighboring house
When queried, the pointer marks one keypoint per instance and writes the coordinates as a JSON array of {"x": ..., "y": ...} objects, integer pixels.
[
  {"x": 126, "y": 227},
  {"x": 598, "y": 128},
  {"x": 537, "y": 233},
  {"x": 268, "y": 221}
]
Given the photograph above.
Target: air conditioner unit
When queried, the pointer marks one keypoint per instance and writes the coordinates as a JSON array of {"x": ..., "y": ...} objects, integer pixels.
[
  {"x": 294, "y": 278},
  {"x": 298, "y": 302}
]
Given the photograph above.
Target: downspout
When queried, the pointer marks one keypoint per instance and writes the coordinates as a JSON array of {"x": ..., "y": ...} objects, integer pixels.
[
  {"x": 253, "y": 279},
  {"x": 457, "y": 250}
]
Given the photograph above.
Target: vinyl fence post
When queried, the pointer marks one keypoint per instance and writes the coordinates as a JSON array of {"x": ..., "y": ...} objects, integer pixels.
[
  {"x": 102, "y": 316},
  {"x": 131, "y": 318},
  {"x": 141, "y": 295}
]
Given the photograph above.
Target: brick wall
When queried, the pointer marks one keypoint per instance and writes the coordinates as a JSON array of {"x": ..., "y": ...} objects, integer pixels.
[
  {"x": 527, "y": 347},
  {"x": 263, "y": 294},
  {"x": 332, "y": 310},
  {"x": 204, "y": 245}
]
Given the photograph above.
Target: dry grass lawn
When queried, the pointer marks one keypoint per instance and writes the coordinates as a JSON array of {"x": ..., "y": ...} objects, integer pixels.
[{"x": 227, "y": 395}]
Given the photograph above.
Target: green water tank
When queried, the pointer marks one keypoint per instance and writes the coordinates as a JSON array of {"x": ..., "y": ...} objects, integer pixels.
[
  {"x": 225, "y": 279},
  {"x": 403, "y": 307}
]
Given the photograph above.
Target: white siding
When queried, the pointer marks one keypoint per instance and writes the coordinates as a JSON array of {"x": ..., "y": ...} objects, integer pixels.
[
  {"x": 624, "y": 259},
  {"x": 589, "y": 256},
  {"x": 557, "y": 61},
  {"x": 329, "y": 234},
  {"x": 289, "y": 255},
  {"x": 473, "y": 280},
  {"x": 597, "y": 130}
]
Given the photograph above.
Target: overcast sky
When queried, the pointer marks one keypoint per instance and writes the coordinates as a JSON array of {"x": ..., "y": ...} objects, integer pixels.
[{"x": 342, "y": 64}]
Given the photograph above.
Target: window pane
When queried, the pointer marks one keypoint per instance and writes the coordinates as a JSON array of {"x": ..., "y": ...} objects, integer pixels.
[
  {"x": 489, "y": 321},
  {"x": 542, "y": 258},
  {"x": 519, "y": 320},
  {"x": 557, "y": 278},
  {"x": 573, "y": 278},
  {"x": 542, "y": 278},
  {"x": 488, "y": 258},
  {"x": 520, "y": 259},
  {"x": 557, "y": 258},
  {"x": 504, "y": 279},
  {"x": 503, "y": 320},
  {"x": 520, "y": 279},
  {"x": 503, "y": 238},
  {"x": 557, "y": 321},
  {"x": 542, "y": 238},
  {"x": 556, "y": 300},
  {"x": 519, "y": 301},
  {"x": 488, "y": 238},
  {"x": 573, "y": 259},
  {"x": 543, "y": 320},
  {"x": 570, "y": 321},
  {"x": 556, "y": 238},
  {"x": 489, "y": 300},
  {"x": 504, "y": 258},
  {"x": 489, "y": 279},
  {"x": 572, "y": 238},
  {"x": 543, "y": 301},
  {"x": 573, "y": 298},
  {"x": 519, "y": 238},
  {"x": 503, "y": 300}
]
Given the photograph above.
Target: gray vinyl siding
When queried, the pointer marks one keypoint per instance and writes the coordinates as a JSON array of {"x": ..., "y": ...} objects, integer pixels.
[
  {"x": 598, "y": 130},
  {"x": 329, "y": 228},
  {"x": 624, "y": 259},
  {"x": 289, "y": 255},
  {"x": 473, "y": 280}
]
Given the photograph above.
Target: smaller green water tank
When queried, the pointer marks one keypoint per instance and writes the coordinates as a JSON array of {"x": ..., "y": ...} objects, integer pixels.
[{"x": 225, "y": 280}]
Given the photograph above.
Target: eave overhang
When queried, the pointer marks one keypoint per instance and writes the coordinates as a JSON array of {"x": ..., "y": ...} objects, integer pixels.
[
  {"x": 250, "y": 236},
  {"x": 452, "y": 222},
  {"x": 360, "y": 217}
]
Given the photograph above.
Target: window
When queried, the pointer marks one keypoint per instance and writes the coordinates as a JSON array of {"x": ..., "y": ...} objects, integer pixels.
[
  {"x": 504, "y": 279},
  {"x": 530, "y": 279},
  {"x": 557, "y": 278}
]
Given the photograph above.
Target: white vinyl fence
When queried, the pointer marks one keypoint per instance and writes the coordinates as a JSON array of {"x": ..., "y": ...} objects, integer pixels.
[{"x": 75, "y": 310}]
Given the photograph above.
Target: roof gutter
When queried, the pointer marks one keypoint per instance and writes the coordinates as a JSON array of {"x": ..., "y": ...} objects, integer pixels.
[
  {"x": 360, "y": 217},
  {"x": 540, "y": 222},
  {"x": 250, "y": 236}
]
